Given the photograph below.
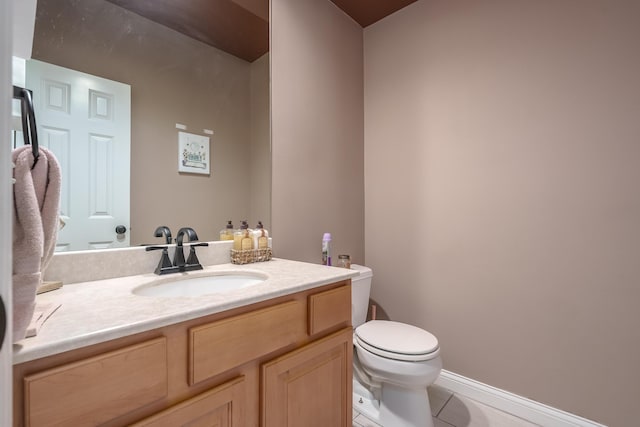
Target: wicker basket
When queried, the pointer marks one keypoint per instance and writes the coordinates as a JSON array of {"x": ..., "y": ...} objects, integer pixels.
[{"x": 251, "y": 255}]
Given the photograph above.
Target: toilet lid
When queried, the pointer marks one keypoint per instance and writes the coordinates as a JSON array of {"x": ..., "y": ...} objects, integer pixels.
[{"x": 396, "y": 340}]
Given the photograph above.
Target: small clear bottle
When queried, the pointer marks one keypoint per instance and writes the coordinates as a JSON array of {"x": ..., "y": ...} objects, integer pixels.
[
  {"x": 344, "y": 261},
  {"x": 227, "y": 232}
]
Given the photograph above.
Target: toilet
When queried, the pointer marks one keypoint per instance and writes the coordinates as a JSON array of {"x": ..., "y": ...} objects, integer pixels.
[{"x": 393, "y": 363}]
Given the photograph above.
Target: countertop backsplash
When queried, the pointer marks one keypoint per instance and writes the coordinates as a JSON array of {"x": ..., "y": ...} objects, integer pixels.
[{"x": 84, "y": 266}]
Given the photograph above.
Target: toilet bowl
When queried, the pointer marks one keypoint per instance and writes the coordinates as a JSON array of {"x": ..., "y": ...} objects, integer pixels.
[{"x": 393, "y": 364}]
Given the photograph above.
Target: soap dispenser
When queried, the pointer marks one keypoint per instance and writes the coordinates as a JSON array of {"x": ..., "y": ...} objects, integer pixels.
[
  {"x": 260, "y": 237},
  {"x": 227, "y": 232},
  {"x": 242, "y": 238}
]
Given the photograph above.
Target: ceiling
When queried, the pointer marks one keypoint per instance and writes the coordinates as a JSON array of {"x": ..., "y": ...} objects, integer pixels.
[
  {"x": 241, "y": 27},
  {"x": 366, "y": 12}
]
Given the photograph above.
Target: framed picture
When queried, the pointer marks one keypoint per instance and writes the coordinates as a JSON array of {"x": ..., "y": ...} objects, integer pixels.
[{"x": 193, "y": 153}]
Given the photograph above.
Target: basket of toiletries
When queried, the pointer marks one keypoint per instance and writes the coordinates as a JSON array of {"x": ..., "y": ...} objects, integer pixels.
[
  {"x": 249, "y": 245},
  {"x": 248, "y": 256}
]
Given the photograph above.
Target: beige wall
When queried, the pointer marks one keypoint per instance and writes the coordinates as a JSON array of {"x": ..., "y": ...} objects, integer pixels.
[
  {"x": 317, "y": 130},
  {"x": 502, "y": 176},
  {"x": 174, "y": 79},
  {"x": 260, "y": 148}
]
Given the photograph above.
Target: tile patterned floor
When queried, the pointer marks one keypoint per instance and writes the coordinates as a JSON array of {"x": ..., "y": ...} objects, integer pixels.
[{"x": 452, "y": 410}]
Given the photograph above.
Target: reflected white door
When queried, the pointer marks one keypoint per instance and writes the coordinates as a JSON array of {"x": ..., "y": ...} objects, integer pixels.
[{"x": 86, "y": 121}]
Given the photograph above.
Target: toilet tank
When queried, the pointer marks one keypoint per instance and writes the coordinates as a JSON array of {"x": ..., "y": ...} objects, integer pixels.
[{"x": 360, "y": 290}]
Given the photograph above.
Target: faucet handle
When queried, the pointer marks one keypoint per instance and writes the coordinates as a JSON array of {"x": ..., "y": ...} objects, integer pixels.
[
  {"x": 164, "y": 266},
  {"x": 193, "y": 258}
]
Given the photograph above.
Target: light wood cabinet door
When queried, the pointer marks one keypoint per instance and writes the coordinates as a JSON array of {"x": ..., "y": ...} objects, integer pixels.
[
  {"x": 218, "y": 407},
  {"x": 311, "y": 386}
]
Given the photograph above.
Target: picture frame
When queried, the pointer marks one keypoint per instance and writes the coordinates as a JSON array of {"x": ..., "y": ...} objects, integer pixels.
[{"x": 194, "y": 153}]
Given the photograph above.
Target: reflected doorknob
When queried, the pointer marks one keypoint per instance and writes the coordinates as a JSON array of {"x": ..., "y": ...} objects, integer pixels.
[{"x": 121, "y": 229}]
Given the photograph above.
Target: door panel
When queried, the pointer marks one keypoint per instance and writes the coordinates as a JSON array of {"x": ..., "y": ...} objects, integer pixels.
[{"x": 85, "y": 120}]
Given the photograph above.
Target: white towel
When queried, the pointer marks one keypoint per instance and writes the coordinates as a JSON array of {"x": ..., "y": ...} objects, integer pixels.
[{"x": 35, "y": 225}]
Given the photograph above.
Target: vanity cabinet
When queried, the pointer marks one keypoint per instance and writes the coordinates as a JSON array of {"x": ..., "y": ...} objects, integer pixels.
[{"x": 281, "y": 362}]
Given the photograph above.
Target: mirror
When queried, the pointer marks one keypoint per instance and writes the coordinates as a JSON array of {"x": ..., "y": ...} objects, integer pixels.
[{"x": 177, "y": 84}]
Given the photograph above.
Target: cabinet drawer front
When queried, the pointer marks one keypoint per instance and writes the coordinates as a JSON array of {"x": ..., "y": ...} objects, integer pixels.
[
  {"x": 221, "y": 406},
  {"x": 329, "y": 308},
  {"x": 97, "y": 389},
  {"x": 222, "y": 345}
]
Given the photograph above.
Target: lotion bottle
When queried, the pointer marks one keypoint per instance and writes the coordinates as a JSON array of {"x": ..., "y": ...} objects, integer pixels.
[
  {"x": 238, "y": 235},
  {"x": 242, "y": 238},
  {"x": 260, "y": 237}
]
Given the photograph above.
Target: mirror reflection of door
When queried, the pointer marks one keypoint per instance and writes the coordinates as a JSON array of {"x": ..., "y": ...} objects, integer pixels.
[{"x": 86, "y": 121}]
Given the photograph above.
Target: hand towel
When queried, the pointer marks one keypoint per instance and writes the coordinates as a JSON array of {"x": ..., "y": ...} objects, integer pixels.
[{"x": 35, "y": 224}]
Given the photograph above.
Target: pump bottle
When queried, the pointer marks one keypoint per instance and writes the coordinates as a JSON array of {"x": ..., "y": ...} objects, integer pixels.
[
  {"x": 227, "y": 232},
  {"x": 260, "y": 237},
  {"x": 242, "y": 238}
]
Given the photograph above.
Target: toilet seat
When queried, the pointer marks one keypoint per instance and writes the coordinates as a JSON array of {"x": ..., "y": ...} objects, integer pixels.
[{"x": 398, "y": 341}]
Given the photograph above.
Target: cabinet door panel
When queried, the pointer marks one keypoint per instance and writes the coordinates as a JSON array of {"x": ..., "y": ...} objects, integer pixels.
[
  {"x": 311, "y": 386},
  {"x": 219, "y": 407},
  {"x": 94, "y": 390}
]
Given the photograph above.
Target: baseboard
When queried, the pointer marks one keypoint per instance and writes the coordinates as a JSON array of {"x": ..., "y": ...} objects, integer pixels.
[{"x": 505, "y": 401}]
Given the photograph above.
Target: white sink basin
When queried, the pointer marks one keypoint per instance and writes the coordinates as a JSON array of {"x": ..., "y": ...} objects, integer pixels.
[{"x": 200, "y": 285}]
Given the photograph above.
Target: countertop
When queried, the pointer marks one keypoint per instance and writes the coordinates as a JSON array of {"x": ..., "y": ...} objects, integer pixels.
[{"x": 102, "y": 310}]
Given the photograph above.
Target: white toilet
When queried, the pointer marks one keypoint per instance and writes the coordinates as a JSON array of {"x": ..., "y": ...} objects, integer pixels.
[{"x": 393, "y": 363}]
